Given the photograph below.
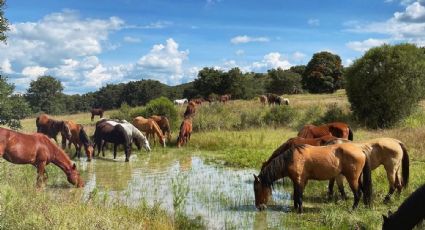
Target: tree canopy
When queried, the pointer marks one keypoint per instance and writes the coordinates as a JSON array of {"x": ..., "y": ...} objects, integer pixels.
[
  {"x": 4, "y": 24},
  {"x": 45, "y": 95}
]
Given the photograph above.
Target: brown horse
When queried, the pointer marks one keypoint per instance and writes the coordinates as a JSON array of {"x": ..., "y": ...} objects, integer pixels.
[
  {"x": 318, "y": 163},
  {"x": 96, "y": 112},
  {"x": 263, "y": 100},
  {"x": 336, "y": 129},
  {"x": 224, "y": 98},
  {"x": 198, "y": 101},
  {"x": 164, "y": 124},
  {"x": 79, "y": 138},
  {"x": 38, "y": 150},
  {"x": 150, "y": 127},
  {"x": 389, "y": 152},
  {"x": 273, "y": 99},
  {"x": 190, "y": 110},
  {"x": 51, "y": 127},
  {"x": 185, "y": 132}
]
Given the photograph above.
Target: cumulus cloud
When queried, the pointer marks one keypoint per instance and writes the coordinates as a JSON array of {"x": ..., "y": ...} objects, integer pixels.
[
  {"x": 34, "y": 71},
  {"x": 246, "y": 39},
  {"x": 6, "y": 67},
  {"x": 365, "y": 45},
  {"x": 271, "y": 60},
  {"x": 413, "y": 13}
]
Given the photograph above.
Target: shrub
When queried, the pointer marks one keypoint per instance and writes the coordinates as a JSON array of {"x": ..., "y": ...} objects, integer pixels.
[
  {"x": 386, "y": 84},
  {"x": 161, "y": 106},
  {"x": 281, "y": 115},
  {"x": 335, "y": 113}
]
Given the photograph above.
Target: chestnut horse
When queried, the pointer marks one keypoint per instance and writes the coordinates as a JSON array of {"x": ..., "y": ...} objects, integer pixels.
[
  {"x": 164, "y": 124},
  {"x": 389, "y": 152},
  {"x": 336, "y": 129},
  {"x": 263, "y": 100},
  {"x": 113, "y": 134},
  {"x": 150, "y": 127},
  {"x": 79, "y": 138},
  {"x": 96, "y": 112},
  {"x": 185, "y": 132},
  {"x": 51, "y": 127},
  {"x": 38, "y": 150},
  {"x": 410, "y": 213},
  {"x": 305, "y": 162},
  {"x": 190, "y": 110}
]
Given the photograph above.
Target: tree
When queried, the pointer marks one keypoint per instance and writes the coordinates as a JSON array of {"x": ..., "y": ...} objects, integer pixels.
[
  {"x": 4, "y": 24},
  {"x": 209, "y": 81},
  {"x": 386, "y": 84},
  {"x": 45, "y": 95},
  {"x": 12, "y": 107},
  {"x": 283, "y": 82},
  {"x": 323, "y": 73}
]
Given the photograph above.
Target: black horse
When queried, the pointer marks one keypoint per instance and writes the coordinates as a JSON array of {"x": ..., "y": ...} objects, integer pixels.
[
  {"x": 113, "y": 134},
  {"x": 410, "y": 212}
]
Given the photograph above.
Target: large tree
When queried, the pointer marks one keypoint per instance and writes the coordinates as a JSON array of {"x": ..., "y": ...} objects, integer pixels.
[
  {"x": 45, "y": 95},
  {"x": 323, "y": 73},
  {"x": 283, "y": 81},
  {"x": 12, "y": 107},
  {"x": 4, "y": 24}
]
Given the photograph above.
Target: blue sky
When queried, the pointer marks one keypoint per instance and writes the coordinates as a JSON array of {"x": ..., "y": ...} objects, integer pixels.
[{"x": 88, "y": 44}]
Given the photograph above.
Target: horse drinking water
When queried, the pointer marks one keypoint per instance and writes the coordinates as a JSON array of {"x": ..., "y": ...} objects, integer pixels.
[
  {"x": 79, "y": 138},
  {"x": 38, "y": 150}
]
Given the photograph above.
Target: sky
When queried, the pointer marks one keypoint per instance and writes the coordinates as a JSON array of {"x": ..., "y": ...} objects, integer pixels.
[{"x": 88, "y": 44}]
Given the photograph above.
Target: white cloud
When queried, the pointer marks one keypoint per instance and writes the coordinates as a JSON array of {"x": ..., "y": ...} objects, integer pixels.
[
  {"x": 6, "y": 67},
  {"x": 245, "y": 39},
  {"x": 240, "y": 52},
  {"x": 270, "y": 61},
  {"x": 365, "y": 45},
  {"x": 298, "y": 56},
  {"x": 152, "y": 25},
  {"x": 414, "y": 13},
  {"x": 130, "y": 39},
  {"x": 313, "y": 22},
  {"x": 34, "y": 71}
]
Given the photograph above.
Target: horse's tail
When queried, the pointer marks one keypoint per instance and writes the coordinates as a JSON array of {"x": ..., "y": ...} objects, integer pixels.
[
  {"x": 83, "y": 136},
  {"x": 404, "y": 165},
  {"x": 367, "y": 181},
  {"x": 350, "y": 134}
]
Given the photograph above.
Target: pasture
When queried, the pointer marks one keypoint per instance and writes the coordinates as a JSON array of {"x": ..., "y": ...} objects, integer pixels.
[{"x": 231, "y": 141}]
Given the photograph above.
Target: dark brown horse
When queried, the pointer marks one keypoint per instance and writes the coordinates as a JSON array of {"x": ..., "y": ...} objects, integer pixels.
[
  {"x": 273, "y": 99},
  {"x": 96, "y": 112},
  {"x": 317, "y": 163},
  {"x": 185, "y": 132},
  {"x": 336, "y": 129},
  {"x": 190, "y": 110},
  {"x": 79, "y": 138},
  {"x": 113, "y": 134},
  {"x": 52, "y": 127},
  {"x": 164, "y": 124},
  {"x": 38, "y": 150},
  {"x": 224, "y": 98}
]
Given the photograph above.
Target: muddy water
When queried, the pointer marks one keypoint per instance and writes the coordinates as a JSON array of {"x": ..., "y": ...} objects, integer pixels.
[{"x": 222, "y": 196}]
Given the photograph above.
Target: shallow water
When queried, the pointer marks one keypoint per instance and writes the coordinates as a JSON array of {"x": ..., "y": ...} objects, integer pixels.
[{"x": 222, "y": 196}]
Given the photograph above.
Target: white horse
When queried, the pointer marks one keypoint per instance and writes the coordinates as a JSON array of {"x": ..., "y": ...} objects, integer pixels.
[
  {"x": 285, "y": 101},
  {"x": 180, "y": 101},
  {"x": 133, "y": 133}
]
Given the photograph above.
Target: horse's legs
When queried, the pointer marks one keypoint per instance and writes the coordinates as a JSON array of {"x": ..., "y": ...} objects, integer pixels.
[
  {"x": 398, "y": 183},
  {"x": 354, "y": 185},
  {"x": 331, "y": 188},
  {"x": 40, "y": 174},
  {"x": 103, "y": 148},
  {"x": 340, "y": 183},
  {"x": 115, "y": 150},
  {"x": 63, "y": 142},
  {"x": 391, "y": 176},
  {"x": 127, "y": 152}
]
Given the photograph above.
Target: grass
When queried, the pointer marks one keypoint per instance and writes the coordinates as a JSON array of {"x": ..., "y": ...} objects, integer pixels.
[{"x": 237, "y": 134}]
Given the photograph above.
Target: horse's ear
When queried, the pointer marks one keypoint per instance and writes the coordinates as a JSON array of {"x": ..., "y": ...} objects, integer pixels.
[{"x": 74, "y": 166}]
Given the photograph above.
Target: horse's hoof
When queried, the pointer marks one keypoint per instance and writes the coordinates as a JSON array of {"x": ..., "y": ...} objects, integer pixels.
[{"x": 262, "y": 207}]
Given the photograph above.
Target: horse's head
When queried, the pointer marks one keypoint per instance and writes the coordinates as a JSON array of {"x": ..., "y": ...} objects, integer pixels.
[
  {"x": 262, "y": 193},
  {"x": 89, "y": 151},
  {"x": 162, "y": 141},
  {"x": 74, "y": 177},
  {"x": 142, "y": 142}
]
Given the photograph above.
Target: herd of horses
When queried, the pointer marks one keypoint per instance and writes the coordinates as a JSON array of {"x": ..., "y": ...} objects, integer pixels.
[{"x": 325, "y": 152}]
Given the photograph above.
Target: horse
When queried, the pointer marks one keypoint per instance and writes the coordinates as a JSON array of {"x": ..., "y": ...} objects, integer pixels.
[
  {"x": 180, "y": 101},
  {"x": 38, "y": 150},
  {"x": 224, "y": 98},
  {"x": 98, "y": 111},
  {"x": 150, "y": 127},
  {"x": 185, "y": 132},
  {"x": 389, "y": 152},
  {"x": 285, "y": 100},
  {"x": 273, "y": 99},
  {"x": 305, "y": 162},
  {"x": 198, "y": 101},
  {"x": 263, "y": 100},
  {"x": 114, "y": 134},
  {"x": 133, "y": 133},
  {"x": 410, "y": 213},
  {"x": 79, "y": 138},
  {"x": 51, "y": 127},
  {"x": 164, "y": 124},
  {"x": 190, "y": 110},
  {"x": 336, "y": 129}
]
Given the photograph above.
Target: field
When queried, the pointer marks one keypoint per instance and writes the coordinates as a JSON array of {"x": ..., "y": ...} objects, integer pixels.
[{"x": 241, "y": 135}]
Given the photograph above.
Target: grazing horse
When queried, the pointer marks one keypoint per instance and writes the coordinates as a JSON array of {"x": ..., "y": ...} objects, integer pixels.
[
  {"x": 285, "y": 101},
  {"x": 185, "y": 132},
  {"x": 150, "y": 127},
  {"x": 274, "y": 99},
  {"x": 98, "y": 112},
  {"x": 113, "y": 134},
  {"x": 79, "y": 138},
  {"x": 164, "y": 124},
  {"x": 38, "y": 150},
  {"x": 190, "y": 110},
  {"x": 224, "y": 98},
  {"x": 336, "y": 129},
  {"x": 133, "y": 133},
  {"x": 180, "y": 101},
  {"x": 306, "y": 162},
  {"x": 389, "y": 152},
  {"x": 410, "y": 213},
  {"x": 51, "y": 127},
  {"x": 198, "y": 101},
  {"x": 263, "y": 99}
]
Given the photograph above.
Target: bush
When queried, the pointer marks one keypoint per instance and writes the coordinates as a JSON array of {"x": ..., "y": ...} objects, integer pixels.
[
  {"x": 281, "y": 115},
  {"x": 335, "y": 113},
  {"x": 386, "y": 84},
  {"x": 161, "y": 106}
]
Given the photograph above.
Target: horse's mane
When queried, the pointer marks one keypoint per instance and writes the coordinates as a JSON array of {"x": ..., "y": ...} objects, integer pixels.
[{"x": 280, "y": 150}]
